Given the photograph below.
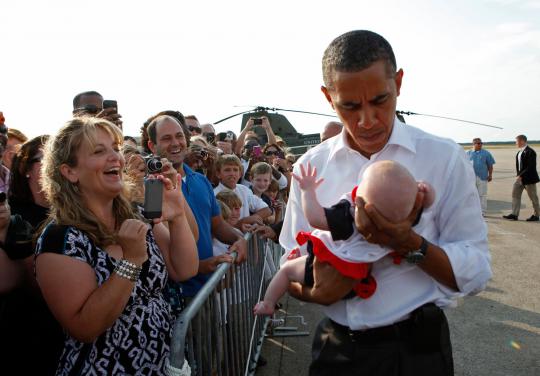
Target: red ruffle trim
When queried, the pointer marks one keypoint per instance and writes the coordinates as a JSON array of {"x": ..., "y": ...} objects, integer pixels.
[{"x": 356, "y": 270}]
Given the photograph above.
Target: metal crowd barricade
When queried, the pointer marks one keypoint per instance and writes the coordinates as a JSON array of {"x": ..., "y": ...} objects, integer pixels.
[{"x": 217, "y": 333}]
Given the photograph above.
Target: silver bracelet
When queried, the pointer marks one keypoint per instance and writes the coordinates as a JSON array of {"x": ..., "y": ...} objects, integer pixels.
[{"x": 128, "y": 270}]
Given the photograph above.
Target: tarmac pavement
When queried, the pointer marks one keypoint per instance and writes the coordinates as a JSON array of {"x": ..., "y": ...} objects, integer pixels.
[{"x": 496, "y": 332}]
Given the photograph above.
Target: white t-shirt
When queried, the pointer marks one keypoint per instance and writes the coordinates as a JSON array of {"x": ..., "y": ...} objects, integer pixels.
[{"x": 250, "y": 202}]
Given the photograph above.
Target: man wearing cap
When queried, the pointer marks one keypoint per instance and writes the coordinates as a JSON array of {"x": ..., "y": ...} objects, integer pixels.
[{"x": 483, "y": 162}]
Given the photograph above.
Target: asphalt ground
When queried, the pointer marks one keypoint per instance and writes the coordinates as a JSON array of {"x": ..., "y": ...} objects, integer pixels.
[{"x": 496, "y": 332}]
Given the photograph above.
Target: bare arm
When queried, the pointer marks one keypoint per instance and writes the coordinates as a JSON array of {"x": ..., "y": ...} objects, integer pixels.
[
  {"x": 71, "y": 292},
  {"x": 308, "y": 183},
  {"x": 70, "y": 289},
  {"x": 264, "y": 212},
  {"x": 269, "y": 132},
  {"x": 242, "y": 137},
  {"x": 227, "y": 234}
]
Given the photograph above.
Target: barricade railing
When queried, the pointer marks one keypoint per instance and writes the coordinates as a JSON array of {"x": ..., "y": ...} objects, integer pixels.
[{"x": 217, "y": 333}]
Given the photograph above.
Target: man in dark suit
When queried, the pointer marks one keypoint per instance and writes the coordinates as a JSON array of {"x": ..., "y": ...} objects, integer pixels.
[{"x": 527, "y": 177}]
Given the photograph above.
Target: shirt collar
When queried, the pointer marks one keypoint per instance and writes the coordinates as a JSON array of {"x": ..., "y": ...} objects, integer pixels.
[
  {"x": 399, "y": 137},
  {"x": 188, "y": 170}
]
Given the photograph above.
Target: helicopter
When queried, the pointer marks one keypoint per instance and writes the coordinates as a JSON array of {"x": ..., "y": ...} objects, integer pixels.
[{"x": 299, "y": 143}]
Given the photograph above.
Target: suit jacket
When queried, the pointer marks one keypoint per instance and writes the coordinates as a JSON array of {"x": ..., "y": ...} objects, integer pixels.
[{"x": 528, "y": 172}]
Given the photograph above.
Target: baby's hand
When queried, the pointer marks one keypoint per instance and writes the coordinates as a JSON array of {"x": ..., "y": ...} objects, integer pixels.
[
  {"x": 429, "y": 193},
  {"x": 308, "y": 179}
]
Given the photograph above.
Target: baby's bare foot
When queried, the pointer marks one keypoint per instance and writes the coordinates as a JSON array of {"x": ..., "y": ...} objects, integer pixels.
[{"x": 263, "y": 308}]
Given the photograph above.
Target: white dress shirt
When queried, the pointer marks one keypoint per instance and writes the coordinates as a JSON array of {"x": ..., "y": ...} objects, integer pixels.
[
  {"x": 250, "y": 202},
  {"x": 519, "y": 156},
  {"x": 454, "y": 223}
]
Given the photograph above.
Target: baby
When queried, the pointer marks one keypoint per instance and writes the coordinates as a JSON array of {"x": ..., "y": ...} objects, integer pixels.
[{"x": 389, "y": 187}]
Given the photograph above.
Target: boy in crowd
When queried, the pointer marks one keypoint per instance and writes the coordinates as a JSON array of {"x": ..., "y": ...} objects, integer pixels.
[
  {"x": 261, "y": 177},
  {"x": 229, "y": 170}
]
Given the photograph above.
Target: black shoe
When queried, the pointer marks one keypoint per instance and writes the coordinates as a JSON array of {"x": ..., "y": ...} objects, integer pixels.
[
  {"x": 512, "y": 217},
  {"x": 533, "y": 218}
]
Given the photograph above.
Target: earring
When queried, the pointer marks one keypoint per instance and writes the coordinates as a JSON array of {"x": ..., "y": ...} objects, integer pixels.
[{"x": 27, "y": 176}]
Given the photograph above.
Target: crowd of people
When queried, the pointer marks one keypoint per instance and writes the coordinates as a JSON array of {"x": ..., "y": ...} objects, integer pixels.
[
  {"x": 129, "y": 231},
  {"x": 89, "y": 275}
]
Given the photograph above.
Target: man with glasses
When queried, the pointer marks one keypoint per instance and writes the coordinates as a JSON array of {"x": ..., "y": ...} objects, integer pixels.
[
  {"x": 209, "y": 133},
  {"x": 482, "y": 162},
  {"x": 193, "y": 125}
]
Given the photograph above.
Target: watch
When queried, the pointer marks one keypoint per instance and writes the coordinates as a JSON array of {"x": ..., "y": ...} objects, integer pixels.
[{"x": 416, "y": 257}]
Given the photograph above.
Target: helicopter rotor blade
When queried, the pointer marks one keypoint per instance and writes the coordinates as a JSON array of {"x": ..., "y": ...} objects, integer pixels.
[
  {"x": 449, "y": 118},
  {"x": 228, "y": 117},
  {"x": 302, "y": 112}
]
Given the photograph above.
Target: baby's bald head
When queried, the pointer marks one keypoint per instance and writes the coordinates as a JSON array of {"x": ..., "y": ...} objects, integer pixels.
[{"x": 391, "y": 188}]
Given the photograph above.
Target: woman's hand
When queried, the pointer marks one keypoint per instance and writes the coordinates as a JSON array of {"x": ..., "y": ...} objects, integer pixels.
[
  {"x": 173, "y": 199},
  {"x": 132, "y": 238}
]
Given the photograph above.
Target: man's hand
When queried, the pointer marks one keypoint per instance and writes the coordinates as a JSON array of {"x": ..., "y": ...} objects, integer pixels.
[
  {"x": 330, "y": 285},
  {"x": 265, "y": 232},
  {"x": 111, "y": 115},
  {"x": 240, "y": 247},
  {"x": 252, "y": 219},
  {"x": 489, "y": 178},
  {"x": 378, "y": 230},
  {"x": 210, "y": 264},
  {"x": 307, "y": 181}
]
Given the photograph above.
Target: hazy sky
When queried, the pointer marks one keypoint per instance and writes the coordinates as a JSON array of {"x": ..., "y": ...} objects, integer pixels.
[{"x": 476, "y": 60}]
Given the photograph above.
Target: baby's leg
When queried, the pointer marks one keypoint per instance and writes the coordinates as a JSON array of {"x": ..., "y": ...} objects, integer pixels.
[{"x": 291, "y": 271}]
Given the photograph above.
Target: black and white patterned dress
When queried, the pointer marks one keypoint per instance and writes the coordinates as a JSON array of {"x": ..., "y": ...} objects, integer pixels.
[{"x": 138, "y": 341}]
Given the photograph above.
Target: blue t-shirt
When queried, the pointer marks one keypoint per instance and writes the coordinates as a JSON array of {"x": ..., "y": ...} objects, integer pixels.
[
  {"x": 482, "y": 160},
  {"x": 200, "y": 198}
]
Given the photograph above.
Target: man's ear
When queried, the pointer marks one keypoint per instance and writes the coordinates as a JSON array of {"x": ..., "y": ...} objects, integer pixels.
[
  {"x": 398, "y": 78},
  {"x": 324, "y": 89},
  {"x": 69, "y": 173},
  {"x": 151, "y": 146}
]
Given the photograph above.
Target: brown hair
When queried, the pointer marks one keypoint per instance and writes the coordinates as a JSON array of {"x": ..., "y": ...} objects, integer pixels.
[
  {"x": 228, "y": 159},
  {"x": 15, "y": 133},
  {"x": 225, "y": 210},
  {"x": 260, "y": 168},
  {"x": 22, "y": 163},
  {"x": 67, "y": 204},
  {"x": 230, "y": 199}
]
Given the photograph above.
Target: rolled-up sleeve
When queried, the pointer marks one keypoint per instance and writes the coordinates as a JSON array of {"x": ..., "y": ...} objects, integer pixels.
[{"x": 463, "y": 232}]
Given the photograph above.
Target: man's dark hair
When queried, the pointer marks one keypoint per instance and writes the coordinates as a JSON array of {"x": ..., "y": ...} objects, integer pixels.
[
  {"x": 355, "y": 51},
  {"x": 130, "y": 138},
  {"x": 149, "y": 133},
  {"x": 77, "y": 98},
  {"x": 522, "y": 137},
  {"x": 192, "y": 117}
]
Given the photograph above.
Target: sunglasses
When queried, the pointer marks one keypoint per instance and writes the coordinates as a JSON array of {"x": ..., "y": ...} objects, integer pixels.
[
  {"x": 272, "y": 152},
  {"x": 194, "y": 129}
]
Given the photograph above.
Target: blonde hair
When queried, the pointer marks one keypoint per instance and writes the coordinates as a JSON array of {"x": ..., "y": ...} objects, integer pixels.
[
  {"x": 15, "y": 133},
  {"x": 260, "y": 168},
  {"x": 67, "y": 203},
  {"x": 225, "y": 210},
  {"x": 228, "y": 159},
  {"x": 230, "y": 199}
]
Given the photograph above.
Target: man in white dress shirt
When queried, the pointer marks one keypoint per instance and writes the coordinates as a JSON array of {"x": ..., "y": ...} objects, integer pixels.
[{"x": 400, "y": 330}]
